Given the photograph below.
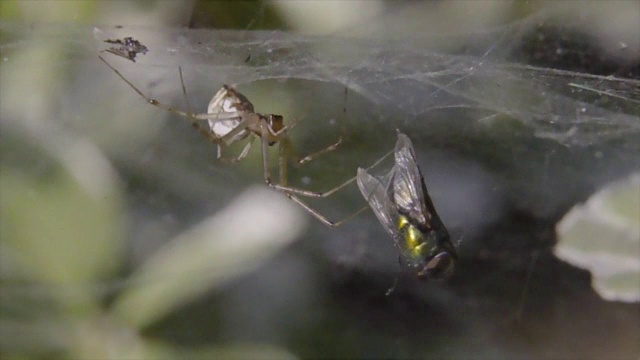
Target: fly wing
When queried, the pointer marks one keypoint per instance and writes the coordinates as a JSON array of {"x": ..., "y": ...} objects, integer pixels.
[
  {"x": 375, "y": 192},
  {"x": 408, "y": 184}
]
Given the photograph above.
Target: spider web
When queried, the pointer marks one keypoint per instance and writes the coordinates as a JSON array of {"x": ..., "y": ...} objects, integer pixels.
[
  {"x": 488, "y": 90},
  {"x": 556, "y": 134},
  {"x": 572, "y": 108},
  {"x": 548, "y": 136}
]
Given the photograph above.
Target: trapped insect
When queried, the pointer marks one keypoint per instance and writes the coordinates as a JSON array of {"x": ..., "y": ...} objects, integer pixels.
[
  {"x": 403, "y": 206},
  {"x": 231, "y": 118},
  {"x": 127, "y": 48}
]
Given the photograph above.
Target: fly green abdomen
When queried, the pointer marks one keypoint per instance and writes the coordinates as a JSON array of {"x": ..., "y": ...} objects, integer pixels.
[
  {"x": 413, "y": 240},
  {"x": 401, "y": 202}
]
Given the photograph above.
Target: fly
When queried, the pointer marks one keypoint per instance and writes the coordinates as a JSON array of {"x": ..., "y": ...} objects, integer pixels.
[{"x": 402, "y": 204}]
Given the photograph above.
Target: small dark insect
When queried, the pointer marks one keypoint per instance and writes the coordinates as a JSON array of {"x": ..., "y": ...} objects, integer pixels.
[
  {"x": 402, "y": 204},
  {"x": 127, "y": 48}
]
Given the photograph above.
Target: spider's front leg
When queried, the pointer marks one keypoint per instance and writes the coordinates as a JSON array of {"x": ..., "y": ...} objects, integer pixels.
[
  {"x": 242, "y": 155},
  {"x": 316, "y": 194},
  {"x": 327, "y": 149},
  {"x": 297, "y": 160},
  {"x": 269, "y": 136}
]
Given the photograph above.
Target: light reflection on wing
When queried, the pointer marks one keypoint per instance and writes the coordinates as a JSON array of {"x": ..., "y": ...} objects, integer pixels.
[
  {"x": 407, "y": 185},
  {"x": 375, "y": 192}
]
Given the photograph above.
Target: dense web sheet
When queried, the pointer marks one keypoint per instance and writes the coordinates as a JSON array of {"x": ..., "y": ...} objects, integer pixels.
[
  {"x": 406, "y": 77},
  {"x": 569, "y": 107}
]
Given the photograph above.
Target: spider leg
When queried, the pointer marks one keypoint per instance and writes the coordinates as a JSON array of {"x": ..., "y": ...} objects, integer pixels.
[
  {"x": 327, "y": 149},
  {"x": 184, "y": 92},
  {"x": 291, "y": 151},
  {"x": 284, "y": 150},
  {"x": 243, "y": 153},
  {"x": 246, "y": 149},
  {"x": 207, "y": 133},
  {"x": 287, "y": 151},
  {"x": 191, "y": 117},
  {"x": 323, "y": 219},
  {"x": 151, "y": 101},
  {"x": 284, "y": 145},
  {"x": 292, "y": 192},
  {"x": 315, "y": 194},
  {"x": 194, "y": 123},
  {"x": 227, "y": 139},
  {"x": 219, "y": 116},
  {"x": 331, "y": 147},
  {"x": 282, "y": 133},
  {"x": 393, "y": 287},
  {"x": 265, "y": 155}
]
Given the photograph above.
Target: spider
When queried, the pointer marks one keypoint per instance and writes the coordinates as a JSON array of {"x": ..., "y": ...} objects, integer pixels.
[{"x": 232, "y": 118}]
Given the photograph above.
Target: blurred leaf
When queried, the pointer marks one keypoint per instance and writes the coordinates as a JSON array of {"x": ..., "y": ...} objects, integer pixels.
[
  {"x": 603, "y": 236},
  {"x": 232, "y": 243},
  {"x": 57, "y": 231},
  {"x": 32, "y": 337}
]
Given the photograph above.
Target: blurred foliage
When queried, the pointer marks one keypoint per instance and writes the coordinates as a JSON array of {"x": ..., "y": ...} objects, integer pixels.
[
  {"x": 69, "y": 287},
  {"x": 603, "y": 236},
  {"x": 245, "y": 15},
  {"x": 61, "y": 247}
]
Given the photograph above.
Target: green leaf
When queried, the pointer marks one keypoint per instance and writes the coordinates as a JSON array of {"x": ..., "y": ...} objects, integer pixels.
[
  {"x": 603, "y": 236},
  {"x": 234, "y": 242}
]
